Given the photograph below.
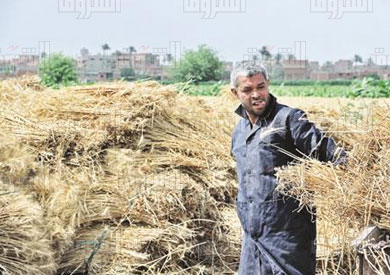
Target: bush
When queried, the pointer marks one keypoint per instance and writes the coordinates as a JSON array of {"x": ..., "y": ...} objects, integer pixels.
[
  {"x": 370, "y": 87},
  {"x": 200, "y": 65},
  {"x": 200, "y": 89},
  {"x": 309, "y": 82},
  {"x": 127, "y": 73},
  {"x": 57, "y": 70}
]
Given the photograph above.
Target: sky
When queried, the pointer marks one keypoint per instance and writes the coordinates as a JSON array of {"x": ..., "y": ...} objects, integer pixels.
[{"x": 319, "y": 30}]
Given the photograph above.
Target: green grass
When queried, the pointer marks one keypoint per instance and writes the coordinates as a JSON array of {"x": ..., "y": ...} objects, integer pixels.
[
  {"x": 315, "y": 91},
  {"x": 201, "y": 89},
  {"x": 367, "y": 88}
]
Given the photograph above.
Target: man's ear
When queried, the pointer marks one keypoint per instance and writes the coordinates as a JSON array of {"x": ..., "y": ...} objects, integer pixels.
[{"x": 234, "y": 91}]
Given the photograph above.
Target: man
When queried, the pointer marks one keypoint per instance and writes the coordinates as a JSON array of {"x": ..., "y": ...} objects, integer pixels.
[{"x": 277, "y": 239}]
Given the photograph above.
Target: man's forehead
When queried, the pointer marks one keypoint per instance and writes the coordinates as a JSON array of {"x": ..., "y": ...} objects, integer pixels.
[{"x": 250, "y": 80}]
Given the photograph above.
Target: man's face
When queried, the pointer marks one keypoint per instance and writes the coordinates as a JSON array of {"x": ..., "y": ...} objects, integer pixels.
[{"x": 253, "y": 93}]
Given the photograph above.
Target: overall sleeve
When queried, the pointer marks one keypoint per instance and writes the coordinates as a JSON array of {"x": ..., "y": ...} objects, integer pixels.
[{"x": 312, "y": 142}]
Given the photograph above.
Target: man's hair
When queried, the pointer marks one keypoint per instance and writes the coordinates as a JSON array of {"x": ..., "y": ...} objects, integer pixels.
[{"x": 247, "y": 69}]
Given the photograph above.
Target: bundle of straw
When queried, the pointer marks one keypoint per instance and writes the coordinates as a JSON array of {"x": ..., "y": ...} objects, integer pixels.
[
  {"x": 24, "y": 245},
  {"x": 348, "y": 197},
  {"x": 133, "y": 156}
]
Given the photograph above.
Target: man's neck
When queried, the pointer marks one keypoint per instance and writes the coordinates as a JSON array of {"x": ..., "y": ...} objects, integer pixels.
[{"x": 252, "y": 119}]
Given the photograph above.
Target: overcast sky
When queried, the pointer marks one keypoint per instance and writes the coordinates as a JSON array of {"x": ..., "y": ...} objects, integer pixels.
[{"x": 233, "y": 27}]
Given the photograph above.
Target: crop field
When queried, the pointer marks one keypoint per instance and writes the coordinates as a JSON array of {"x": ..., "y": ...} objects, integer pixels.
[
  {"x": 136, "y": 178},
  {"x": 367, "y": 88}
]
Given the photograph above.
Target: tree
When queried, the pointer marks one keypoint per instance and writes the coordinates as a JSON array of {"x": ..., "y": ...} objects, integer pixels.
[
  {"x": 327, "y": 66},
  {"x": 127, "y": 73},
  {"x": 168, "y": 58},
  {"x": 255, "y": 57},
  {"x": 56, "y": 70},
  {"x": 198, "y": 65},
  {"x": 276, "y": 72},
  {"x": 105, "y": 48},
  {"x": 370, "y": 62},
  {"x": 278, "y": 58},
  {"x": 265, "y": 54},
  {"x": 131, "y": 51},
  {"x": 357, "y": 59},
  {"x": 291, "y": 57}
]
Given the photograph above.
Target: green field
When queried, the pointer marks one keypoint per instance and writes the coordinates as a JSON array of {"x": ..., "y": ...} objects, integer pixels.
[
  {"x": 367, "y": 88},
  {"x": 318, "y": 91}
]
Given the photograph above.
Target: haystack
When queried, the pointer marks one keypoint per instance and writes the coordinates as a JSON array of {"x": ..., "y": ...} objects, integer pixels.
[
  {"x": 349, "y": 197},
  {"x": 134, "y": 160},
  {"x": 24, "y": 244}
]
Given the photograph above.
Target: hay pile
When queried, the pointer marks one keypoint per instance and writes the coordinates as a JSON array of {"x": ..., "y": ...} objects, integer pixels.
[
  {"x": 121, "y": 178},
  {"x": 350, "y": 197},
  {"x": 133, "y": 178}
]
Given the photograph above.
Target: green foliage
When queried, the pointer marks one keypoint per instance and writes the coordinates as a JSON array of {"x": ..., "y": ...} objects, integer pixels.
[
  {"x": 357, "y": 58},
  {"x": 200, "y": 89},
  {"x": 370, "y": 87},
  {"x": 367, "y": 87},
  {"x": 199, "y": 65},
  {"x": 127, "y": 72},
  {"x": 374, "y": 76},
  {"x": 57, "y": 70},
  {"x": 307, "y": 91},
  {"x": 309, "y": 82}
]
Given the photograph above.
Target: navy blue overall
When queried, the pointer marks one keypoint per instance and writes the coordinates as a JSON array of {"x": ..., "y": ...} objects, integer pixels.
[{"x": 277, "y": 238}]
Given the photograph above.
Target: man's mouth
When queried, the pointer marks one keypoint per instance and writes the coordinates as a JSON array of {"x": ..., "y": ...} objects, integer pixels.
[{"x": 259, "y": 103}]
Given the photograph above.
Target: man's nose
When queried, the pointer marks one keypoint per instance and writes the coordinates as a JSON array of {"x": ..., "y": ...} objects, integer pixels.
[{"x": 256, "y": 93}]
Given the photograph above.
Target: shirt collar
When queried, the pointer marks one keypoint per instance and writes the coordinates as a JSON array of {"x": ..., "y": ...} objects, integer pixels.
[{"x": 271, "y": 105}]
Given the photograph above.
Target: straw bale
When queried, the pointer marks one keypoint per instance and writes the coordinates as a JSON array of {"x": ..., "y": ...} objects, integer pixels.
[
  {"x": 24, "y": 245},
  {"x": 351, "y": 196}
]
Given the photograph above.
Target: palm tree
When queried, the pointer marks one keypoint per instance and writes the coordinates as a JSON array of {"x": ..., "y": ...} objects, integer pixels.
[
  {"x": 278, "y": 58},
  {"x": 168, "y": 58},
  {"x": 105, "y": 47},
  {"x": 265, "y": 54},
  {"x": 370, "y": 62},
  {"x": 357, "y": 59},
  {"x": 291, "y": 57},
  {"x": 131, "y": 51}
]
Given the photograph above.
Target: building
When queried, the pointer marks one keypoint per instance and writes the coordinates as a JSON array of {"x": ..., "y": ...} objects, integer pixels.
[
  {"x": 92, "y": 68},
  {"x": 146, "y": 64},
  {"x": 343, "y": 65},
  {"x": 314, "y": 66},
  {"x": 296, "y": 69},
  {"x": 320, "y": 75},
  {"x": 98, "y": 67},
  {"x": 19, "y": 65},
  {"x": 227, "y": 67}
]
